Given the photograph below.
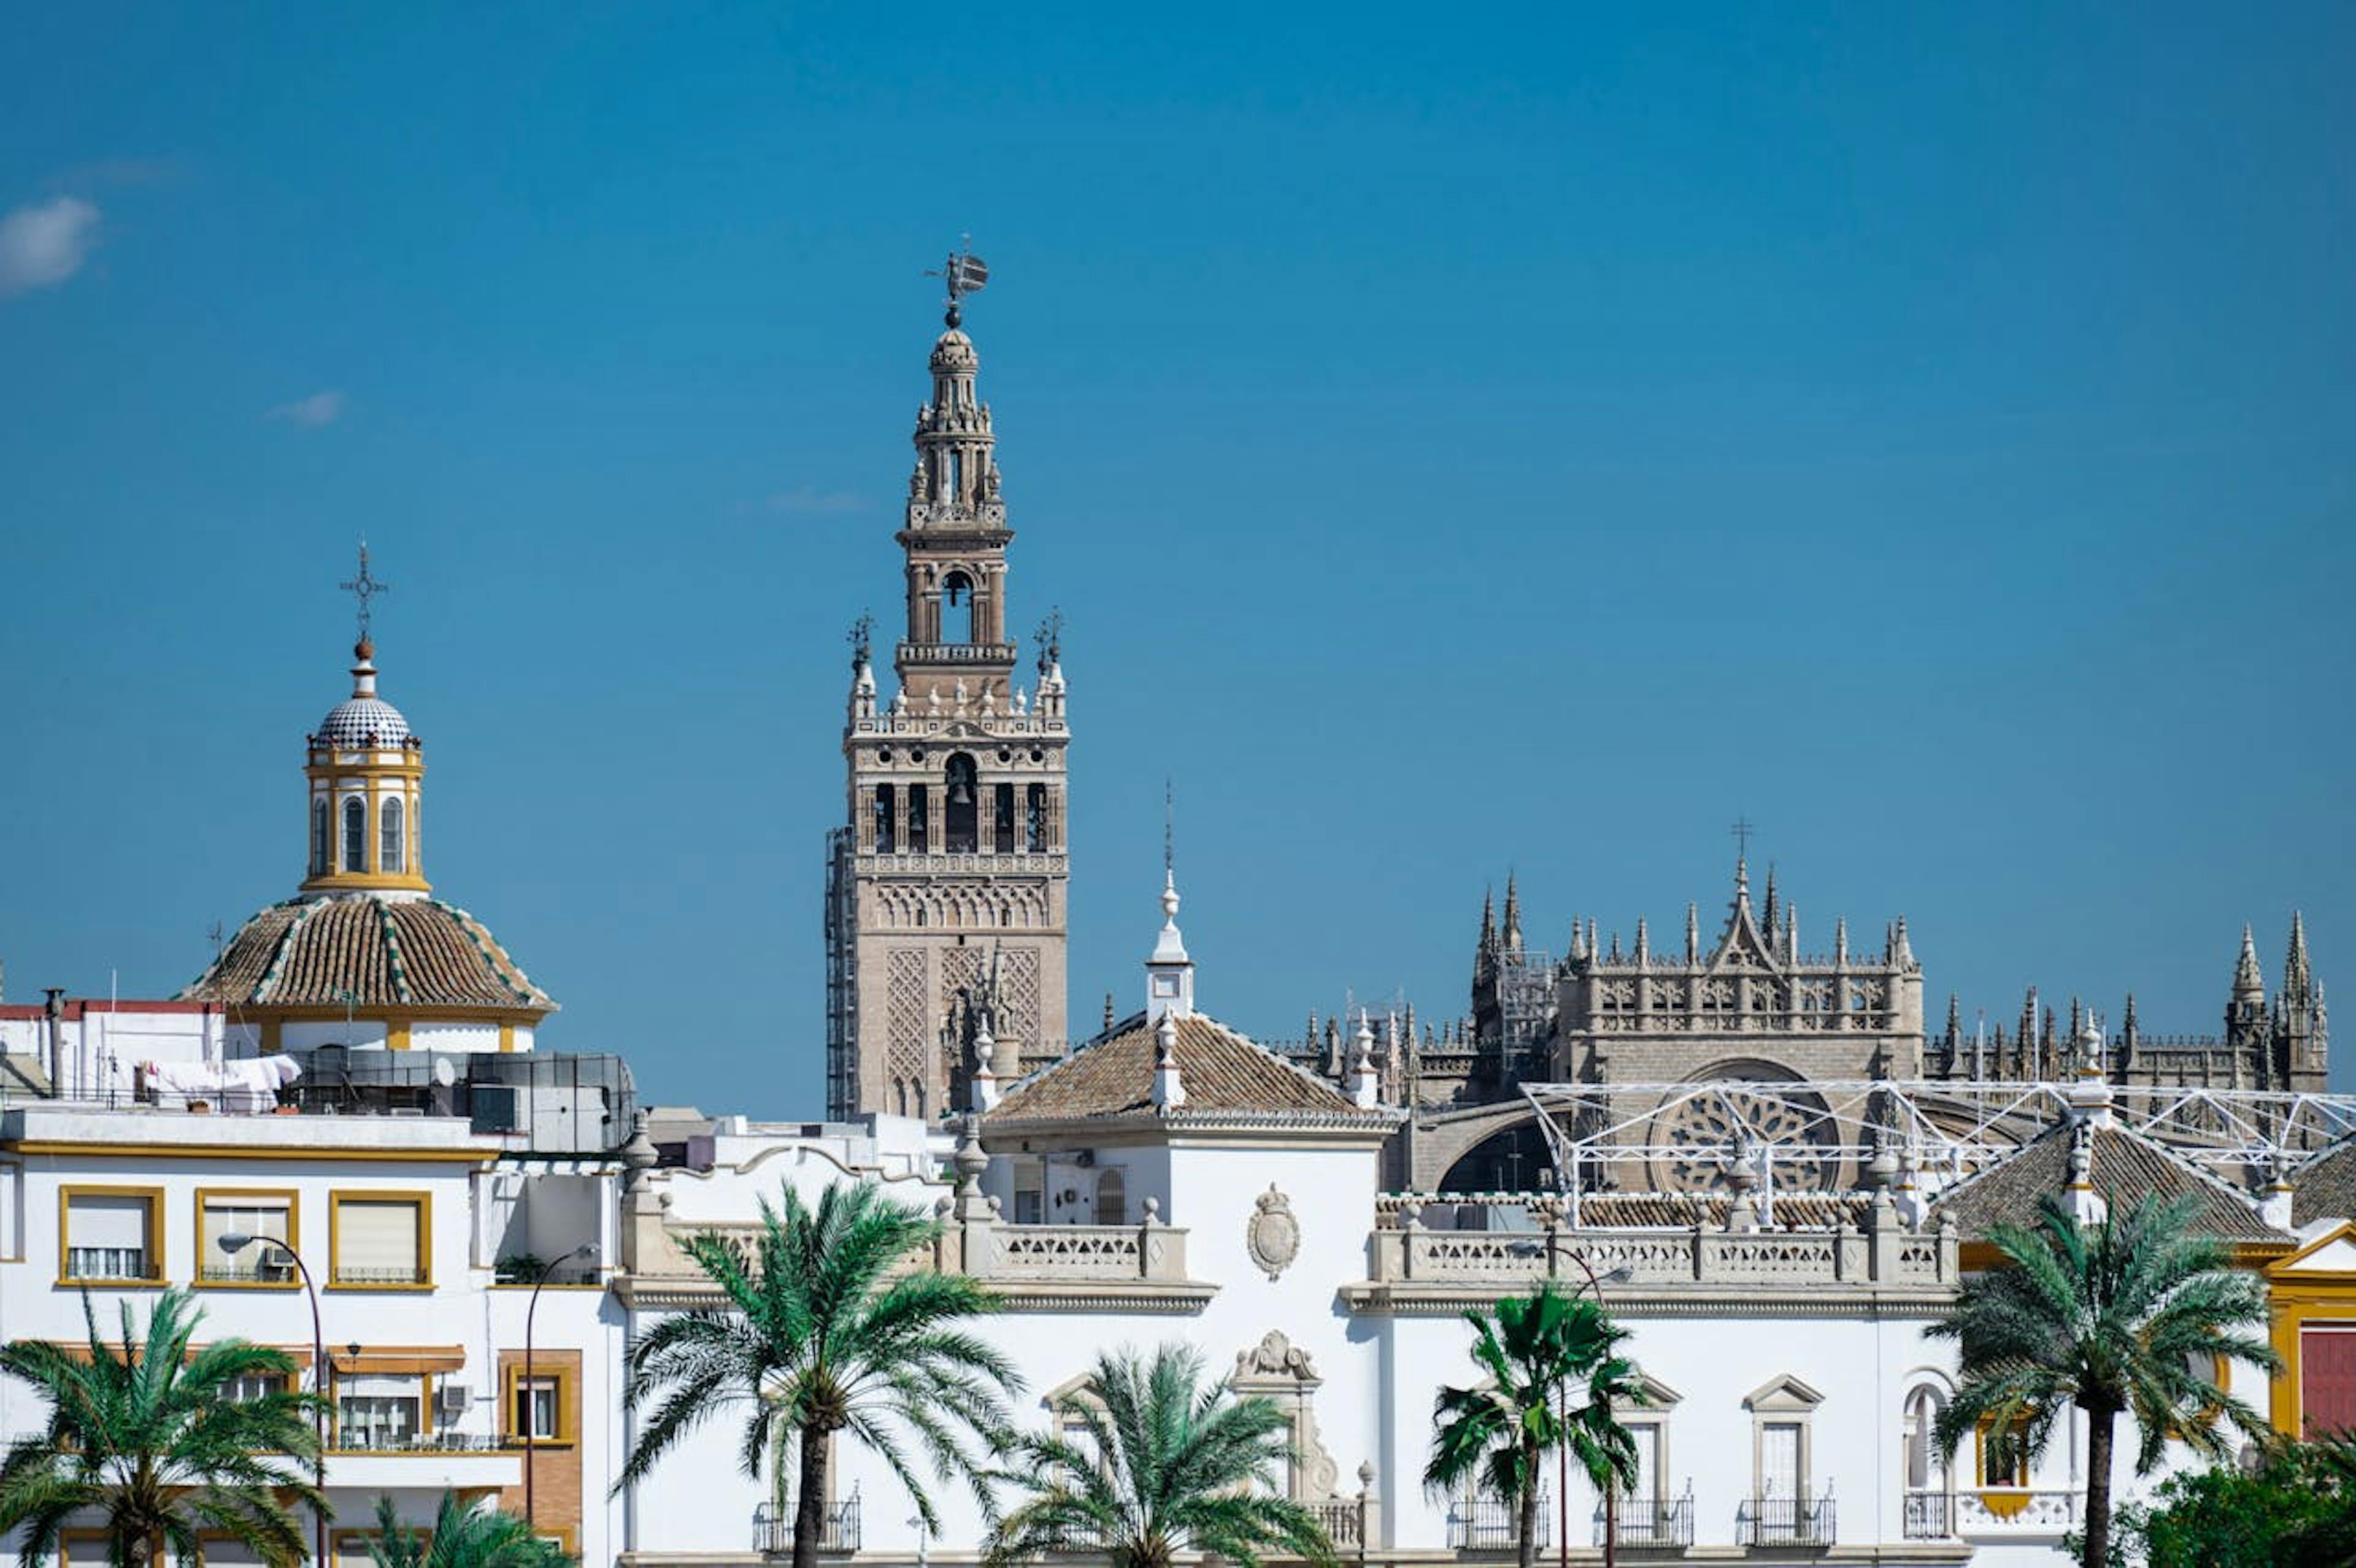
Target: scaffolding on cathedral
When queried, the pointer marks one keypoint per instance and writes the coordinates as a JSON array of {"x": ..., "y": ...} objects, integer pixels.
[{"x": 1853, "y": 1136}]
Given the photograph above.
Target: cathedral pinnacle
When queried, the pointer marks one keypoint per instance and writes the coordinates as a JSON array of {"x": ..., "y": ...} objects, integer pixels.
[
  {"x": 2298, "y": 979},
  {"x": 2249, "y": 985},
  {"x": 1513, "y": 915}
]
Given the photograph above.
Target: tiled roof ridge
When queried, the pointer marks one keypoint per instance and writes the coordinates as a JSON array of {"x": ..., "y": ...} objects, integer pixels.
[
  {"x": 2001, "y": 1162},
  {"x": 1286, "y": 1063},
  {"x": 2211, "y": 1178},
  {"x": 392, "y": 965},
  {"x": 275, "y": 969},
  {"x": 501, "y": 962}
]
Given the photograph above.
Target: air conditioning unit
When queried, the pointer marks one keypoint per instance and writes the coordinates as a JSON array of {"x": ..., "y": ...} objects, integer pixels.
[{"x": 450, "y": 1401}]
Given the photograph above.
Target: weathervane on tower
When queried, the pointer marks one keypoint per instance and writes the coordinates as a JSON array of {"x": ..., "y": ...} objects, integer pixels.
[
  {"x": 364, "y": 587},
  {"x": 963, "y": 274}
]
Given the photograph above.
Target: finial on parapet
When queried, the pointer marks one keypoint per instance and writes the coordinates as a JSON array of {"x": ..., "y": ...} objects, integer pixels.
[
  {"x": 1902, "y": 951},
  {"x": 1840, "y": 940},
  {"x": 1767, "y": 914},
  {"x": 1169, "y": 1090},
  {"x": 1693, "y": 932},
  {"x": 2249, "y": 985},
  {"x": 1644, "y": 943},
  {"x": 1791, "y": 934},
  {"x": 1364, "y": 1083},
  {"x": 1955, "y": 1020}
]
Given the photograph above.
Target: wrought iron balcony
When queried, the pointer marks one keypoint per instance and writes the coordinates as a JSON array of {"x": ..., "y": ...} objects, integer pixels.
[
  {"x": 838, "y": 1530},
  {"x": 1492, "y": 1524},
  {"x": 1646, "y": 1522},
  {"x": 1784, "y": 1522},
  {"x": 1929, "y": 1516}
]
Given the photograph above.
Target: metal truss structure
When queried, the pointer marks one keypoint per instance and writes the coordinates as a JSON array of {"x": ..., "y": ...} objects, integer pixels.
[{"x": 1826, "y": 1135}]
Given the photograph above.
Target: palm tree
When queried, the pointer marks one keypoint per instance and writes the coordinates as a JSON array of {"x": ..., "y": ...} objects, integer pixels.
[
  {"x": 465, "y": 1535},
  {"x": 1170, "y": 1465},
  {"x": 2113, "y": 1317},
  {"x": 1533, "y": 1349},
  {"x": 1605, "y": 1449},
  {"x": 820, "y": 1333},
  {"x": 154, "y": 1435}
]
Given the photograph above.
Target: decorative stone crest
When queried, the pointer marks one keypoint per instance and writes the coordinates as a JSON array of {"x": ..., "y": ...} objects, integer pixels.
[
  {"x": 1276, "y": 1356},
  {"x": 1273, "y": 1236}
]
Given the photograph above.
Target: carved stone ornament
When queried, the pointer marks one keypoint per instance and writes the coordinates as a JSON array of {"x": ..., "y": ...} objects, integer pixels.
[
  {"x": 1273, "y": 1236},
  {"x": 1276, "y": 1356}
]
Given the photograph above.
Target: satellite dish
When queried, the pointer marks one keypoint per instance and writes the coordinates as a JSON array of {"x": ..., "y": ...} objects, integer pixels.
[{"x": 443, "y": 1074}]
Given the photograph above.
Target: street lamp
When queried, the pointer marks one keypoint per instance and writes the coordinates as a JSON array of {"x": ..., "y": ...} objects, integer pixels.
[
  {"x": 1620, "y": 1276},
  {"x": 524, "y": 1389},
  {"x": 235, "y": 1242}
]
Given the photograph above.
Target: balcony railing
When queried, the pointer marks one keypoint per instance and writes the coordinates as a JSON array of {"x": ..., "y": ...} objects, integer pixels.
[
  {"x": 1651, "y": 1521},
  {"x": 424, "y": 1443},
  {"x": 1492, "y": 1524},
  {"x": 1992, "y": 1509},
  {"x": 1784, "y": 1522},
  {"x": 1929, "y": 1516},
  {"x": 1340, "y": 1518},
  {"x": 838, "y": 1530}
]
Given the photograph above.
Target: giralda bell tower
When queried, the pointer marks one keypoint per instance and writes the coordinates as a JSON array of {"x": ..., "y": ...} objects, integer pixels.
[{"x": 945, "y": 887}]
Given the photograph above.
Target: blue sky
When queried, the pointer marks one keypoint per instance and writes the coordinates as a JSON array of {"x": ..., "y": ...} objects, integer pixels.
[{"x": 1458, "y": 440}]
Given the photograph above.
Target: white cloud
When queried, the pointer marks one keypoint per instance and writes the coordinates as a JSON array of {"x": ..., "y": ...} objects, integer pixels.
[
  {"x": 809, "y": 501},
  {"x": 311, "y": 412},
  {"x": 45, "y": 243}
]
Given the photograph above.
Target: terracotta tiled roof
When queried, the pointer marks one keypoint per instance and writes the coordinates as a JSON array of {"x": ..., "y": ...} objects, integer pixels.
[
  {"x": 2325, "y": 1187},
  {"x": 1794, "y": 1211},
  {"x": 2124, "y": 1168},
  {"x": 1225, "y": 1075},
  {"x": 385, "y": 953}
]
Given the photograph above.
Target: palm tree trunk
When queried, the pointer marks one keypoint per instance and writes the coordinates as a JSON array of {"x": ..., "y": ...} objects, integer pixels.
[
  {"x": 2098, "y": 1486},
  {"x": 809, "y": 1506},
  {"x": 1529, "y": 1530},
  {"x": 1611, "y": 1520}
]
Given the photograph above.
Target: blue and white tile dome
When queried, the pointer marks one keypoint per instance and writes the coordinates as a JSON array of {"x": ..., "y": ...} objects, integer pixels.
[{"x": 363, "y": 721}]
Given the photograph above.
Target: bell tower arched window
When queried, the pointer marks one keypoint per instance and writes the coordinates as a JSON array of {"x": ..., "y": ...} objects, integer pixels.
[
  {"x": 884, "y": 842},
  {"x": 1034, "y": 829},
  {"x": 919, "y": 829},
  {"x": 355, "y": 833},
  {"x": 391, "y": 853},
  {"x": 964, "y": 806},
  {"x": 319, "y": 840},
  {"x": 957, "y": 608},
  {"x": 1001, "y": 819}
]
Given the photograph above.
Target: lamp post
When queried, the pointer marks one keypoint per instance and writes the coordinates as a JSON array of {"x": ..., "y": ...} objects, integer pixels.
[
  {"x": 524, "y": 1389},
  {"x": 1620, "y": 1276},
  {"x": 236, "y": 1241}
]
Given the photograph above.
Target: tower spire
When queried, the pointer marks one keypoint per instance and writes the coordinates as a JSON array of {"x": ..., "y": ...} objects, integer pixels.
[
  {"x": 2249, "y": 985},
  {"x": 2298, "y": 979},
  {"x": 1513, "y": 935}
]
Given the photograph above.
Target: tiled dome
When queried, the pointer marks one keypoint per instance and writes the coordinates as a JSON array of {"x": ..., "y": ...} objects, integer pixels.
[
  {"x": 369, "y": 952},
  {"x": 363, "y": 721}
]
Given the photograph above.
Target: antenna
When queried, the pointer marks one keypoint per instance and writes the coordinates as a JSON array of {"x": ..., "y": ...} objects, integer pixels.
[
  {"x": 1169, "y": 829},
  {"x": 364, "y": 588},
  {"x": 963, "y": 274}
]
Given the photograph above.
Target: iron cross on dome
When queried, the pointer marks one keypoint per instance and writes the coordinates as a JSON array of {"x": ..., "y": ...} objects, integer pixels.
[{"x": 364, "y": 587}]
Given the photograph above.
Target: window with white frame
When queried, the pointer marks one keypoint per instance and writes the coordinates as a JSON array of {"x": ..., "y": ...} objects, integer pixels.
[
  {"x": 252, "y": 1386},
  {"x": 379, "y": 1240},
  {"x": 355, "y": 833},
  {"x": 537, "y": 1403},
  {"x": 1781, "y": 1412},
  {"x": 1030, "y": 1191},
  {"x": 112, "y": 1234},
  {"x": 390, "y": 852},
  {"x": 378, "y": 1410},
  {"x": 267, "y": 1216}
]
